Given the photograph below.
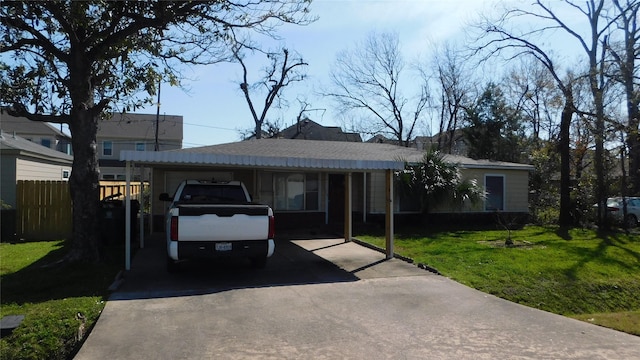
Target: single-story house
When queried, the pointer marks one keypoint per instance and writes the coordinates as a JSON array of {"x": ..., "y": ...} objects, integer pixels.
[
  {"x": 310, "y": 183},
  {"x": 22, "y": 159}
]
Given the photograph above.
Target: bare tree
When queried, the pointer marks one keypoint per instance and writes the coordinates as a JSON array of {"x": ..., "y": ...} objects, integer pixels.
[
  {"x": 522, "y": 42},
  {"x": 282, "y": 71},
  {"x": 71, "y": 61},
  {"x": 626, "y": 59},
  {"x": 454, "y": 81},
  {"x": 367, "y": 81},
  {"x": 534, "y": 93}
]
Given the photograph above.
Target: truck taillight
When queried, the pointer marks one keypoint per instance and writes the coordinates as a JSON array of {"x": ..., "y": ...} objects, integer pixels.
[
  {"x": 272, "y": 227},
  {"x": 174, "y": 228}
]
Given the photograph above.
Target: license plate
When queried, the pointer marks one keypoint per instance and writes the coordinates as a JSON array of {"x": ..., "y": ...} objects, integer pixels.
[{"x": 223, "y": 246}]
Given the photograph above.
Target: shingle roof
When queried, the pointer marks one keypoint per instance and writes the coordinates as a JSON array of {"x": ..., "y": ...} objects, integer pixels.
[
  {"x": 301, "y": 154},
  {"x": 283, "y": 153},
  {"x": 10, "y": 143},
  {"x": 468, "y": 163}
]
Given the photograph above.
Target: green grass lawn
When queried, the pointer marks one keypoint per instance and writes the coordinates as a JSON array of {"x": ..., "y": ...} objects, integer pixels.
[
  {"x": 576, "y": 273},
  {"x": 50, "y": 295}
]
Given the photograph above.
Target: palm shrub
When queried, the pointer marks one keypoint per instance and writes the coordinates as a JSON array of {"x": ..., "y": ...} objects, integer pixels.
[{"x": 435, "y": 180}]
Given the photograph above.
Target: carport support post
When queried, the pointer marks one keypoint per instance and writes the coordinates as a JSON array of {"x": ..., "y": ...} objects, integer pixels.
[
  {"x": 127, "y": 219},
  {"x": 348, "y": 218},
  {"x": 141, "y": 208},
  {"x": 389, "y": 214}
]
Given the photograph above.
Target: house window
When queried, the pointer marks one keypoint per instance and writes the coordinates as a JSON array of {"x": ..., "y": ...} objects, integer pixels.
[
  {"x": 290, "y": 191},
  {"x": 45, "y": 142},
  {"x": 140, "y": 146},
  {"x": 107, "y": 148},
  {"x": 494, "y": 188},
  {"x": 312, "y": 193},
  {"x": 108, "y": 177},
  {"x": 66, "y": 174}
]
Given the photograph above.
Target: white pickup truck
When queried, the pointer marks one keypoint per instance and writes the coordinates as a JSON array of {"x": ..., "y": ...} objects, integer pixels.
[{"x": 217, "y": 219}]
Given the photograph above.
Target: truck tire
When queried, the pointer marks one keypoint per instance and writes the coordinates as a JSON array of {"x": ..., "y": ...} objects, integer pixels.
[{"x": 259, "y": 262}]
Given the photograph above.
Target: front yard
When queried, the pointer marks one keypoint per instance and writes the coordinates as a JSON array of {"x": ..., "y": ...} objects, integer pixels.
[
  {"x": 60, "y": 302},
  {"x": 576, "y": 272}
]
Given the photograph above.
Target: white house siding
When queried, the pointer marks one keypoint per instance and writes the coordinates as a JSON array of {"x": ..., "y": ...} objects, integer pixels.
[
  {"x": 32, "y": 170},
  {"x": 119, "y": 144},
  {"x": 516, "y": 191},
  {"x": 376, "y": 188},
  {"x": 516, "y": 184}
]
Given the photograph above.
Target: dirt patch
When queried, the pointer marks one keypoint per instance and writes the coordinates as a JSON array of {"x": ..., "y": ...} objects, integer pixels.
[{"x": 516, "y": 244}]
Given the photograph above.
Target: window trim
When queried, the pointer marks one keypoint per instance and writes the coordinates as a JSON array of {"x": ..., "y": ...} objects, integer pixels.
[
  {"x": 104, "y": 148},
  {"x": 318, "y": 192},
  {"x": 504, "y": 192}
]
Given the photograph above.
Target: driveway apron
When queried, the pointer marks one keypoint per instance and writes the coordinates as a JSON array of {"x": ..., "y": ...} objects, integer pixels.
[{"x": 327, "y": 299}]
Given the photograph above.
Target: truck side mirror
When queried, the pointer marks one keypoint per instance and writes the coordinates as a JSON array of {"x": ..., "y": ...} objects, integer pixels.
[{"x": 165, "y": 197}]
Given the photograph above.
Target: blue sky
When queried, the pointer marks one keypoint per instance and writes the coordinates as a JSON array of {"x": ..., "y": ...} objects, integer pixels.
[{"x": 214, "y": 109}]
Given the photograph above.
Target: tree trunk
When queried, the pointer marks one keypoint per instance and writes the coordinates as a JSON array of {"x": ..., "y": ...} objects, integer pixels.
[
  {"x": 84, "y": 182},
  {"x": 258, "y": 130},
  {"x": 633, "y": 142},
  {"x": 84, "y": 185},
  {"x": 599, "y": 133},
  {"x": 565, "y": 218}
]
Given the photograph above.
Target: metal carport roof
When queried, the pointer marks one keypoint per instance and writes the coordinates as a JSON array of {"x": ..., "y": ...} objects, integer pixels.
[
  {"x": 285, "y": 153},
  {"x": 268, "y": 153}
]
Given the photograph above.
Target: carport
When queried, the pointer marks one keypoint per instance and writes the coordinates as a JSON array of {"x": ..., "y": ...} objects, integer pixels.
[{"x": 277, "y": 154}]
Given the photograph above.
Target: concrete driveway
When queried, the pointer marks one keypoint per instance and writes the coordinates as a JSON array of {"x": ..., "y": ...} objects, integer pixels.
[{"x": 326, "y": 299}]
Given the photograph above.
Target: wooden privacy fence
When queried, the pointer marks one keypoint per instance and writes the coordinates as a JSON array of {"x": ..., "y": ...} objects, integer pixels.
[
  {"x": 108, "y": 188},
  {"x": 44, "y": 208}
]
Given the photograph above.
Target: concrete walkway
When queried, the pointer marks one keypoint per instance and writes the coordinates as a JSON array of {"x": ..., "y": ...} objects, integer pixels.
[{"x": 326, "y": 299}]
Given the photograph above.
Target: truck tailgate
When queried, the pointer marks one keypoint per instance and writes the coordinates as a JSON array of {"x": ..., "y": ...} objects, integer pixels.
[{"x": 223, "y": 222}]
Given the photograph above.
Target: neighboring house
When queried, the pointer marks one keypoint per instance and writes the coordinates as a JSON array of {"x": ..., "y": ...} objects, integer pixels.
[
  {"x": 307, "y": 129},
  {"x": 304, "y": 181},
  {"x": 36, "y": 131},
  {"x": 134, "y": 132},
  {"x": 381, "y": 139},
  {"x": 21, "y": 159},
  {"x": 119, "y": 132},
  {"x": 458, "y": 146},
  {"x": 458, "y": 143}
]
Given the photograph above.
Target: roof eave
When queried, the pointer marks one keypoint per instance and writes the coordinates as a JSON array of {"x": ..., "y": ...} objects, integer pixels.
[
  {"x": 174, "y": 158},
  {"x": 498, "y": 166}
]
